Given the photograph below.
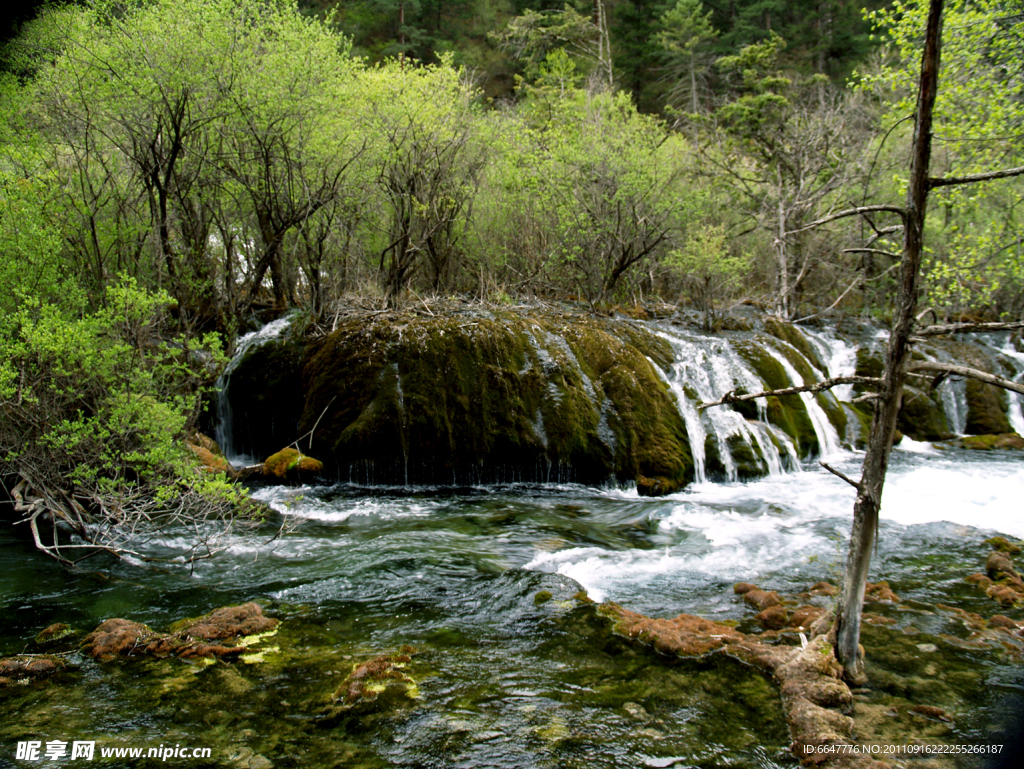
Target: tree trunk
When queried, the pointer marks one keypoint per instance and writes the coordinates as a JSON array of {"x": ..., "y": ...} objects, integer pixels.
[{"x": 869, "y": 495}]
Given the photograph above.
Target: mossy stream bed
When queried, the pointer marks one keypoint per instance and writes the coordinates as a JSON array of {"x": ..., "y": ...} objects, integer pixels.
[{"x": 508, "y": 668}]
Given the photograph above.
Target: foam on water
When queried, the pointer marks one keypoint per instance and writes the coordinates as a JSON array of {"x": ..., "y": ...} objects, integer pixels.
[{"x": 730, "y": 532}]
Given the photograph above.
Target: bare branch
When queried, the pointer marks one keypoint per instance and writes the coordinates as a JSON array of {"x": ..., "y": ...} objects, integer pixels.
[
  {"x": 972, "y": 373},
  {"x": 840, "y": 475},
  {"x": 871, "y": 251},
  {"x": 956, "y": 328},
  {"x": 834, "y": 304},
  {"x": 948, "y": 181},
  {"x": 817, "y": 387},
  {"x": 858, "y": 211}
]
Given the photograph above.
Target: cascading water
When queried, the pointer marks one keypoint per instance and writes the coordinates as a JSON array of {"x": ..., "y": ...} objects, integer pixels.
[
  {"x": 826, "y": 434},
  {"x": 704, "y": 369},
  {"x": 1014, "y": 358},
  {"x": 224, "y": 432}
]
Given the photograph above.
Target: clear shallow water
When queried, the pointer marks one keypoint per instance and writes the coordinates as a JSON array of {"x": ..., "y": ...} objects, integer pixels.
[{"x": 504, "y": 681}]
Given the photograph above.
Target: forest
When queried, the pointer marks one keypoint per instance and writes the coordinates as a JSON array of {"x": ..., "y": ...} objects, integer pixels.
[{"x": 173, "y": 171}]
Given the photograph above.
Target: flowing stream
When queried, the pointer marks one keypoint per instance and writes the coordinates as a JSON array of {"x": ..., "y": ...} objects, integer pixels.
[{"x": 505, "y": 680}]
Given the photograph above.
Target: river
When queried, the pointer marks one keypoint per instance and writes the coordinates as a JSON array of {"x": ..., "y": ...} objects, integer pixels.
[{"x": 505, "y": 679}]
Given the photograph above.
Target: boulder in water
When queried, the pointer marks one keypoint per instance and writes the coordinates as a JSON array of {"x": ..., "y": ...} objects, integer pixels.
[{"x": 291, "y": 466}]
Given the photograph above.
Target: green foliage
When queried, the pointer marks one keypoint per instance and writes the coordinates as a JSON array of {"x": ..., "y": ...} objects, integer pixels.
[
  {"x": 97, "y": 402},
  {"x": 975, "y": 264},
  {"x": 684, "y": 36},
  {"x": 709, "y": 272}
]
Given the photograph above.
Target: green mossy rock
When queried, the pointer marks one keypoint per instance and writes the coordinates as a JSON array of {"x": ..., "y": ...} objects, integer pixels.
[
  {"x": 494, "y": 397},
  {"x": 265, "y": 392},
  {"x": 990, "y": 442},
  {"x": 986, "y": 410},
  {"x": 787, "y": 412},
  {"x": 921, "y": 416},
  {"x": 749, "y": 462},
  {"x": 790, "y": 333},
  {"x": 291, "y": 466},
  {"x": 986, "y": 404}
]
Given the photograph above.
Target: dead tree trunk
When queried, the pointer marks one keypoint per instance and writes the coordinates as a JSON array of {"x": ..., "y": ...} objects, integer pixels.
[{"x": 890, "y": 394}]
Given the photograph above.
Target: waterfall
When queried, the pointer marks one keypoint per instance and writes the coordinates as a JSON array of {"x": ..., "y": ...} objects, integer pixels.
[
  {"x": 828, "y": 438},
  {"x": 224, "y": 433},
  {"x": 703, "y": 369}
]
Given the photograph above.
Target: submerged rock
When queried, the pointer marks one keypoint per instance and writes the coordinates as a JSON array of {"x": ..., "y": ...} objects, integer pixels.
[
  {"x": 28, "y": 668},
  {"x": 53, "y": 635},
  {"x": 373, "y": 688},
  {"x": 188, "y": 639}
]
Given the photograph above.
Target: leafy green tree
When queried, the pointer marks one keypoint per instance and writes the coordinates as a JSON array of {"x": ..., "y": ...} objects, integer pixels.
[
  {"x": 709, "y": 272},
  {"x": 428, "y": 163},
  {"x": 785, "y": 146}
]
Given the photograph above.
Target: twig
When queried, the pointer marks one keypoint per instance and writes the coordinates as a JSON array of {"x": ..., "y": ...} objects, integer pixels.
[
  {"x": 839, "y": 475},
  {"x": 824, "y": 384}
]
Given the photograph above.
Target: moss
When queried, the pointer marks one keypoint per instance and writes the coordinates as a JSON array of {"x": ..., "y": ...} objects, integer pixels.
[
  {"x": 869, "y": 364},
  {"x": 986, "y": 409},
  {"x": 290, "y": 465},
  {"x": 714, "y": 467},
  {"x": 989, "y": 442},
  {"x": 476, "y": 399},
  {"x": 921, "y": 417},
  {"x": 542, "y": 597},
  {"x": 747, "y": 458},
  {"x": 790, "y": 333},
  {"x": 787, "y": 412}
]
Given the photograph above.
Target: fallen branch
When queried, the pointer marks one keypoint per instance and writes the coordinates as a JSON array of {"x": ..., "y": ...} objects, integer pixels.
[
  {"x": 817, "y": 387},
  {"x": 972, "y": 373},
  {"x": 957, "y": 328}
]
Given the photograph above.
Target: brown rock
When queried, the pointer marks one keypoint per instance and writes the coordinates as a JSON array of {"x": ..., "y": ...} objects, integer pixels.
[
  {"x": 761, "y": 599},
  {"x": 189, "y": 640},
  {"x": 1003, "y": 545},
  {"x": 929, "y": 711},
  {"x": 229, "y": 622},
  {"x": 363, "y": 682},
  {"x": 15, "y": 669},
  {"x": 1000, "y": 565},
  {"x": 656, "y": 487},
  {"x": 291, "y": 466},
  {"x": 879, "y": 592},
  {"x": 805, "y": 616},
  {"x": 209, "y": 454},
  {"x": 116, "y": 637},
  {"x": 1005, "y": 595},
  {"x": 773, "y": 618},
  {"x": 980, "y": 580},
  {"x": 743, "y": 587},
  {"x": 824, "y": 588},
  {"x": 1001, "y": 620}
]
